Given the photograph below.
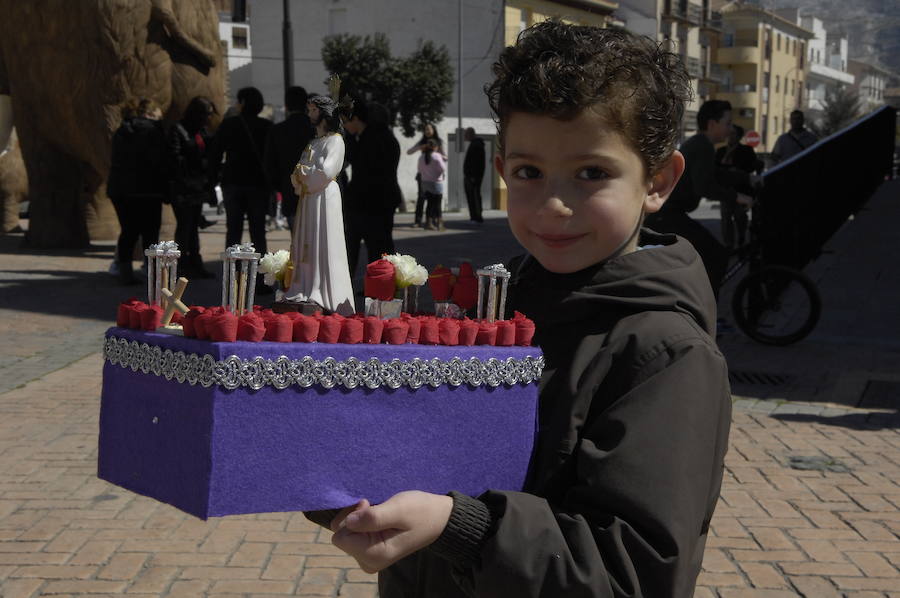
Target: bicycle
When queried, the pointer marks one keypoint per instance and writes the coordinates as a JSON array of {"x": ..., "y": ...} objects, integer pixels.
[{"x": 773, "y": 304}]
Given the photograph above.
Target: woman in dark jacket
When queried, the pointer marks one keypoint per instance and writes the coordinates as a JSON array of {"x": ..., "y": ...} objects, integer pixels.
[
  {"x": 190, "y": 187},
  {"x": 137, "y": 182}
]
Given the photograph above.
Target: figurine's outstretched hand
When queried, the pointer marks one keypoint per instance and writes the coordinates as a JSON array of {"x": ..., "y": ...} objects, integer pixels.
[{"x": 379, "y": 536}]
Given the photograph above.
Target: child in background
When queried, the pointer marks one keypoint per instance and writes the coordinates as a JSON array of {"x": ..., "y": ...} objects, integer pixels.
[{"x": 634, "y": 399}]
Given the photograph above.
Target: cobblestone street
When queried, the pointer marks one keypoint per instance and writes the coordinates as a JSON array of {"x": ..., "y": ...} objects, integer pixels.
[{"x": 810, "y": 504}]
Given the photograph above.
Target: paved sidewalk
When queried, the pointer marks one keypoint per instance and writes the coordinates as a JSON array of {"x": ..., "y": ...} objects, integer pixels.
[{"x": 810, "y": 503}]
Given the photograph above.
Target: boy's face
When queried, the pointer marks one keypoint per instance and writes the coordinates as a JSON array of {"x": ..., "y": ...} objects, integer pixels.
[{"x": 577, "y": 190}]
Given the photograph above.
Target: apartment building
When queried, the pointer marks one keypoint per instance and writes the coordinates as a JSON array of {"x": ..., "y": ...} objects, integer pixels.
[
  {"x": 521, "y": 14},
  {"x": 763, "y": 55},
  {"x": 871, "y": 81}
]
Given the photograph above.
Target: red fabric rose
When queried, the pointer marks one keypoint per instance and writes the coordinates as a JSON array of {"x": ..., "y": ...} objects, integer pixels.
[
  {"x": 176, "y": 317},
  {"x": 351, "y": 331},
  {"x": 200, "y": 322},
  {"x": 415, "y": 328},
  {"x": 279, "y": 328},
  {"x": 223, "y": 327},
  {"x": 123, "y": 317},
  {"x": 379, "y": 281},
  {"x": 187, "y": 322},
  {"x": 448, "y": 331},
  {"x": 524, "y": 329},
  {"x": 487, "y": 333},
  {"x": 373, "y": 328},
  {"x": 396, "y": 331},
  {"x": 306, "y": 329},
  {"x": 134, "y": 316},
  {"x": 428, "y": 333},
  {"x": 506, "y": 333},
  {"x": 330, "y": 328},
  {"x": 151, "y": 317},
  {"x": 468, "y": 331},
  {"x": 251, "y": 328},
  {"x": 440, "y": 281},
  {"x": 465, "y": 291}
]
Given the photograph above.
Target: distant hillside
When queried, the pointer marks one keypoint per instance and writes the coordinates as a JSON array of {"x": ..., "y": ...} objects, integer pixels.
[{"x": 872, "y": 26}]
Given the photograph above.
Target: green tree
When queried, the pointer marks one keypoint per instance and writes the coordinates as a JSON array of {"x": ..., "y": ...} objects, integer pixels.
[
  {"x": 427, "y": 87},
  {"x": 415, "y": 89},
  {"x": 840, "y": 108},
  {"x": 364, "y": 65}
]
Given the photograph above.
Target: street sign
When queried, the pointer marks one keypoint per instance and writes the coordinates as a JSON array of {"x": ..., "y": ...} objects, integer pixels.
[{"x": 751, "y": 139}]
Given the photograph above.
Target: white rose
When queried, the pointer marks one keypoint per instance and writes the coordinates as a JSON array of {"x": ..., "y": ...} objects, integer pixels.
[
  {"x": 406, "y": 270},
  {"x": 274, "y": 263}
]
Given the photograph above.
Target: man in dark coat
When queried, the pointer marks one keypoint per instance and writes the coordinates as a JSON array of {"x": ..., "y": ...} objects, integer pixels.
[
  {"x": 137, "y": 182},
  {"x": 473, "y": 173},
  {"x": 242, "y": 140},
  {"x": 699, "y": 181},
  {"x": 373, "y": 193},
  {"x": 284, "y": 145}
]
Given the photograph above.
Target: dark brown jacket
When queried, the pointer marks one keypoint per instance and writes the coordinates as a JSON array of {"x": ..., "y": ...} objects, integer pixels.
[{"x": 634, "y": 417}]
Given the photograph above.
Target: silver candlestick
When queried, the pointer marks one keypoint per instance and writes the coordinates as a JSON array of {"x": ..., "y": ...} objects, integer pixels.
[
  {"x": 162, "y": 270},
  {"x": 493, "y": 306},
  {"x": 239, "y": 267}
]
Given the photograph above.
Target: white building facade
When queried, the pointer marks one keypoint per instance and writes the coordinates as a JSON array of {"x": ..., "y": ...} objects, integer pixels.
[
  {"x": 236, "y": 47},
  {"x": 406, "y": 23},
  {"x": 827, "y": 55}
]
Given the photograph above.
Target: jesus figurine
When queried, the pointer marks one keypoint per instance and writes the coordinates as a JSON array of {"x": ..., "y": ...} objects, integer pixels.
[{"x": 318, "y": 251}]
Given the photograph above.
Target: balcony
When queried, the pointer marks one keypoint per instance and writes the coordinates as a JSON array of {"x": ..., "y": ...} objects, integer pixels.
[
  {"x": 693, "y": 66},
  {"x": 682, "y": 11},
  {"x": 712, "y": 22},
  {"x": 745, "y": 54},
  {"x": 740, "y": 96},
  {"x": 712, "y": 73}
]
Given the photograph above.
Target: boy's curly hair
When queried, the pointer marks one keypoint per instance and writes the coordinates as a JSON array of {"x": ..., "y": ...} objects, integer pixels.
[{"x": 559, "y": 70}]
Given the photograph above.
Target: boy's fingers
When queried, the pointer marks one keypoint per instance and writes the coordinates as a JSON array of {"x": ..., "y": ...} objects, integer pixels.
[
  {"x": 337, "y": 521},
  {"x": 373, "y": 519}
]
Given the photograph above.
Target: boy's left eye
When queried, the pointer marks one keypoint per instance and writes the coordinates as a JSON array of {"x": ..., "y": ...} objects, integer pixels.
[{"x": 591, "y": 173}]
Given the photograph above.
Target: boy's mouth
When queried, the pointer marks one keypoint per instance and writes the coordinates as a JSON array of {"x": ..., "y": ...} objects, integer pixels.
[{"x": 558, "y": 241}]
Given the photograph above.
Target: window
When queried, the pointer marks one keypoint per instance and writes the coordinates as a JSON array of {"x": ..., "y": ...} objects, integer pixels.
[
  {"x": 777, "y": 86},
  {"x": 794, "y": 47},
  {"x": 775, "y": 128},
  {"x": 793, "y": 84},
  {"x": 778, "y": 42},
  {"x": 239, "y": 38},
  {"x": 337, "y": 21}
]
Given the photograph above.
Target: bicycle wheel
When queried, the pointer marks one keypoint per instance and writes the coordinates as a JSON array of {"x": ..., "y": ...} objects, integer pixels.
[{"x": 776, "y": 306}]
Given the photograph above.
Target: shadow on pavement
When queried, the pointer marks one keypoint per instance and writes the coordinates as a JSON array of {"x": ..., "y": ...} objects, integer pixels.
[{"x": 852, "y": 421}]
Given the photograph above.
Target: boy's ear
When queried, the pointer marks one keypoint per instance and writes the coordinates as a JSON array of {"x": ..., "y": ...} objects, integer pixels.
[
  {"x": 663, "y": 182},
  {"x": 498, "y": 165}
]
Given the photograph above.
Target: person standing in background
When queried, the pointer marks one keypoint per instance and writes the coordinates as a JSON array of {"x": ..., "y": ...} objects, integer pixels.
[
  {"x": 373, "y": 193},
  {"x": 428, "y": 133},
  {"x": 242, "y": 139},
  {"x": 794, "y": 141},
  {"x": 284, "y": 146},
  {"x": 137, "y": 182},
  {"x": 433, "y": 169},
  {"x": 190, "y": 186},
  {"x": 473, "y": 174}
]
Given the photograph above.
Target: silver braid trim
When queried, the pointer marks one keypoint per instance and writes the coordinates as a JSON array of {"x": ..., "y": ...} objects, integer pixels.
[{"x": 255, "y": 373}]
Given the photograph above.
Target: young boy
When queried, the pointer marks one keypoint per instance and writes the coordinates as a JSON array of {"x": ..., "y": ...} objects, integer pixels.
[{"x": 634, "y": 403}]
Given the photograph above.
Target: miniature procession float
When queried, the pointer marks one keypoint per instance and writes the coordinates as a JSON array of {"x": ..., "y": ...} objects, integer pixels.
[{"x": 236, "y": 408}]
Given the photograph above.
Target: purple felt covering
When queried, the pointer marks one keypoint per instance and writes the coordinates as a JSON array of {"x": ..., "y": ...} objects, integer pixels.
[{"x": 213, "y": 451}]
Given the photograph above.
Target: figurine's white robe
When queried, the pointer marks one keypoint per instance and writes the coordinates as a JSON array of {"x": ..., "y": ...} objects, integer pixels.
[{"x": 318, "y": 249}]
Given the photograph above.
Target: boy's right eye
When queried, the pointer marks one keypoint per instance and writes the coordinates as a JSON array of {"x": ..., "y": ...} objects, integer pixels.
[{"x": 527, "y": 172}]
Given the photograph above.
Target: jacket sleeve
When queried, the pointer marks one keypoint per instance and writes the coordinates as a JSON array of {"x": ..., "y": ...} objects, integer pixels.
[
  {"x": 647, "y": 475},
  {"x": 270, "y": 161},
  {"x": 216, "y": 150}
]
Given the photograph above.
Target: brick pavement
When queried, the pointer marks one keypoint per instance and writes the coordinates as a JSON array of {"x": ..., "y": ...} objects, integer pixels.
[{"x": 810, "y": 502}]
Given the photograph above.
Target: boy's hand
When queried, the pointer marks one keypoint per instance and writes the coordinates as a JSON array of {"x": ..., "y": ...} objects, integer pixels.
[{"x": 379, "y": 536}]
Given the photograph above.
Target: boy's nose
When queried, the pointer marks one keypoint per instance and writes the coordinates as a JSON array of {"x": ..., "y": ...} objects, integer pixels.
[{"x": 555, "y": 207}]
